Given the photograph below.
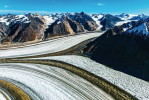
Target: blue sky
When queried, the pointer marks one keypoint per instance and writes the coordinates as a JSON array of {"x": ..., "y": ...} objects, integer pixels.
[{"x": 88, "y": 6}]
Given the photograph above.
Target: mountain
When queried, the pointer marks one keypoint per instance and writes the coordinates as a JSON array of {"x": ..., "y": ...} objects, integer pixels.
[{"x": 124, "y": 48}]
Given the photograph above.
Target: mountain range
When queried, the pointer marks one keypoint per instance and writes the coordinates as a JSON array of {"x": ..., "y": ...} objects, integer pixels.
[{"x": 35, "y": 27}]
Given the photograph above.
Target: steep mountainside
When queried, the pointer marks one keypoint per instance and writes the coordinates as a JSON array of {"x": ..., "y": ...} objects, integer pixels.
[{"x": 124, "y": 48}]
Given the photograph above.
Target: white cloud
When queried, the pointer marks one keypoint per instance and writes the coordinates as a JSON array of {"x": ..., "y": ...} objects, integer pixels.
[
  {"x": 100, "y": 4},
  {"x": 5, "y": 6}
]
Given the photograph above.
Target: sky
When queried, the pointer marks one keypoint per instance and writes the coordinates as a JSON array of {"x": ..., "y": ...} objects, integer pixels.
[{"x": 62, "y": 6}]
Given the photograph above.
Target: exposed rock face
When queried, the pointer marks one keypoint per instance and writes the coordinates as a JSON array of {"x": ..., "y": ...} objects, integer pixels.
[{"x": 125, "y": 51}]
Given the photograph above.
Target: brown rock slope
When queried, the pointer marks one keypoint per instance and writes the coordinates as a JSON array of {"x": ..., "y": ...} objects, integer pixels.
[
  {"x": 23, "y": 32},
  {"x": 64, "y": 26},
  {"x": 59, "y": 28},
  {"x": 3, "y": 30}
]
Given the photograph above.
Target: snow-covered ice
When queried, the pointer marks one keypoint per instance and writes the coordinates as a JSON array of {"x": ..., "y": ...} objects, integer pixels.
[
  {"x": 51, "y": 83},
  {"x": 134, "y": 86},
  {"x": 45, "y": 47}
]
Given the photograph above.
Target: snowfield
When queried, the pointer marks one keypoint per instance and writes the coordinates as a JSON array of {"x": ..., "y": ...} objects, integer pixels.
[
  {"x": 45, "y": 47},
  {"x": 134, "y": 86},
  {"x": 50, "y": 83}
]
